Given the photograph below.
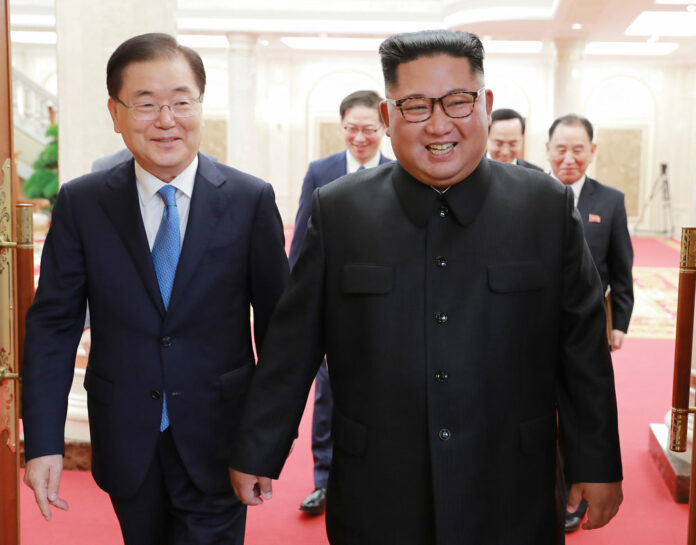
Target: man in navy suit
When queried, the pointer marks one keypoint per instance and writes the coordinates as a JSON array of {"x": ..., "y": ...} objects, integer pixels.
[
  {"x": 363, "y": 131},
  {"x": 570, "y": 151},
  {"x": 170, "y": 250},
  {"x": 506, "y": 138}
]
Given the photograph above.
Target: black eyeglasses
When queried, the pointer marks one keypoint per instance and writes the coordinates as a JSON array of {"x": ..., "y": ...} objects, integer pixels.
[{"x": 456, "y": 105}]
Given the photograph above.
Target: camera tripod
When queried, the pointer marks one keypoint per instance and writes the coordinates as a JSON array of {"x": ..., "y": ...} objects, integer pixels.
[{"x": 661, "y": 184}]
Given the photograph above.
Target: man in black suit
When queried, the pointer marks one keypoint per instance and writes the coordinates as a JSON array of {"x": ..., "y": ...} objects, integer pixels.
[
  {"x": 460, "y": 312},
  {"x": 362, "y": 132},
  {"x": 570, "y": 151},
  {"x": 170, "y": 250},
  {"x": 506, "y": 138}
]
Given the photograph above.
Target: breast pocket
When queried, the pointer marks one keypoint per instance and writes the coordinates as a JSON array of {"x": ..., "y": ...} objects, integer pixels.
[
  {"x": 516, "y": 277},
  {"x": 367, "y": 279}
]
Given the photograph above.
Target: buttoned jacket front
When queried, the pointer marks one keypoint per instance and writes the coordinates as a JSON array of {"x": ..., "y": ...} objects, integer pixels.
[{"x": 456, "y": 325}]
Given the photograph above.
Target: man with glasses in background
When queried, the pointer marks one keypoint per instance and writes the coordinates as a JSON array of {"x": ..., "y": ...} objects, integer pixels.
[
  {"x": 362, "y": 132},
  {"x": 170, "y": 250},
  {"x": 460, "y": 312}
]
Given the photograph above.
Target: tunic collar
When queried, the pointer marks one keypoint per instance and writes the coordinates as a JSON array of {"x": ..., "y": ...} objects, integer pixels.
[{"x": 463, "y": 199}]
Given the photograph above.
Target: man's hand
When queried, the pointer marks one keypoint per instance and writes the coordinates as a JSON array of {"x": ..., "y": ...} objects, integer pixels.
[
  {"x": 251, "y": 489},
  {"x": 617, "y": 338},
  {"x": 42, "y": 475},
  {"x": 603, "y": 500}
]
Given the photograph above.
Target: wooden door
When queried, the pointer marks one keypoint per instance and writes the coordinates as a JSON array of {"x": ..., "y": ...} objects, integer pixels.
[{"x": 16, "y": 292}]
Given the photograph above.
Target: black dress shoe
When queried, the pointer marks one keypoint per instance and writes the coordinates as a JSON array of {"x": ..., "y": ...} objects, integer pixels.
[{"x": 315, "y": 503}]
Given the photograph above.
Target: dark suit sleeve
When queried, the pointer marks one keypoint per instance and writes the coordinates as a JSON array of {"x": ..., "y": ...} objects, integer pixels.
[
  {"x": 54, "y": 325},
  {"x": 303, "y": 211},
  {"x": 269, "y": 265},
  {"x": 620, "y": 267},
  {"x": 586, "y": 396},
  {"x": 288, "y": 363}
]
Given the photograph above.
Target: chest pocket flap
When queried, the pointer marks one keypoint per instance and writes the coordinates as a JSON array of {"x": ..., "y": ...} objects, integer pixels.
[
  {"x": 366, "y": 279},
  {"x": 516, "y": 276}
]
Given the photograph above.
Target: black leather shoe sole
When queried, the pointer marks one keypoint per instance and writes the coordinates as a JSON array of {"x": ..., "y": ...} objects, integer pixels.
[{"x": 315, "y": 503}]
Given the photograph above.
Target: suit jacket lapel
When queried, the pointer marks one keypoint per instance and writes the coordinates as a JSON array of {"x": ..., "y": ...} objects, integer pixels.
[
  {"x": 337, "y": 168},
  {"x": 119, "y": 200},
  {"x": 586, "y": 201},
  {"x": 206, "y": 209}
]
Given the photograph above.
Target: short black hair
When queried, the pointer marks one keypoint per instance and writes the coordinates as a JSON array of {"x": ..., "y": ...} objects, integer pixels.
[
  {"x": 369, "y": 99},
  {"x": 572, "y": 119},
  {"x": 410, "y": 46},
  {"x": 503, "y": 114},
  {"x": 147, "y": 47}
]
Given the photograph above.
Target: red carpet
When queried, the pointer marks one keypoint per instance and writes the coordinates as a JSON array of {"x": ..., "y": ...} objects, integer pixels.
[{"x": 649, "y": 515}]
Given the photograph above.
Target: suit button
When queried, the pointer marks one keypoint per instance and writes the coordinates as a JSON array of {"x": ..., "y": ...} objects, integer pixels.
[
  {"x": 440, "y": 317},
  {"x": 443, "y": 211},
  {"x": 155, "y": 394},
  {"x": 166, "y": 340},
  {"x": 444, "y": 434},
  {"x": 441, "y": 261},
  {"x": 441, "y": 376}
]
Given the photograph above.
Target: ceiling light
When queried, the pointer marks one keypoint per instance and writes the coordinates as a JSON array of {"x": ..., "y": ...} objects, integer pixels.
[
  {"x": 630, "y": 48},
  {"x": 332, "y": 44},
  {"x": 31, "y": 20},
  {"x": 203, "y": 41},
  {"x": 512, "y": 46},
  {"x": 664, "y": 23},
  {"x": 577, "y": 26},
  {"x": 31, "y": 37}
]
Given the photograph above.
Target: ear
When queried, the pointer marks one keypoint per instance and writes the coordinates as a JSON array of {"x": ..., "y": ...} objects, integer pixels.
[
  {"x": 489, "y": 105},
  {"x": 593, "y": 149},
  {"x": 113, "y": 110},
  {"x": 384, "y": 114},
  {"x": 548, "y": 151}
]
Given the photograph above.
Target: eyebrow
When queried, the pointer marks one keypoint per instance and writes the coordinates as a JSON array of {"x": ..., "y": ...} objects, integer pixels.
[
  {"x": 147, "y": 92},
  {"x": 421, "y": 95}
]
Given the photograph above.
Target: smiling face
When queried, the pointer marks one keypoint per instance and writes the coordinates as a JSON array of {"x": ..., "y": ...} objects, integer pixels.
[
  {"x": 505, "y": 140},
  {"x": 440, "y": 151},
  {"x": 362, "y": 131},
  {"x": 166, "y": 145},
  {"x": 570, "y": 152}
]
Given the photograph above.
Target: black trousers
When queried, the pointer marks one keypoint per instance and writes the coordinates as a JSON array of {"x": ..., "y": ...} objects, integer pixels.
[{"x": 169, "y": 509}]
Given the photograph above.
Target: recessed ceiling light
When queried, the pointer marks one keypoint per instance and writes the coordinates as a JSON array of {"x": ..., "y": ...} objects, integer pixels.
[
  {"x": 664, "y": 23},
  {"x": 630, "y": 48},
  {"x": 577, "y": 26}
]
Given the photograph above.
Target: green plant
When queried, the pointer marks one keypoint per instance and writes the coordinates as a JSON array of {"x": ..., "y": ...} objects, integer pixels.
[{"x": 43, "y": 183}]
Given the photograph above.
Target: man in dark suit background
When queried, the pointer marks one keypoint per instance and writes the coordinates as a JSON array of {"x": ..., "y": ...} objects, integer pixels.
[
  {"x": 170, "y": 250},
  {"x": 362, "y": 132},
  {"x": 506, "y": 138},
  {"x": 460, "y": 311},
  {"x": 570, "y": 151}
]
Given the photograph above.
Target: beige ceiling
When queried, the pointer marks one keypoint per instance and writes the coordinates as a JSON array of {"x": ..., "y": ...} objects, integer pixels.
[{"x": 546, "y": 20}]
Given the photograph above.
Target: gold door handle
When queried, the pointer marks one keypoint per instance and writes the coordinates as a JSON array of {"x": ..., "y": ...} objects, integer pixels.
[
  {"x": 25, "y": 227},
  {"x": 6, "y": 375}
]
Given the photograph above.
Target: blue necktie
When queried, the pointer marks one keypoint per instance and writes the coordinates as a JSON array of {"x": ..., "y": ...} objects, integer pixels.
[
  {"x": 165, "y": 256},
  {"x": 361, "y": 167}
]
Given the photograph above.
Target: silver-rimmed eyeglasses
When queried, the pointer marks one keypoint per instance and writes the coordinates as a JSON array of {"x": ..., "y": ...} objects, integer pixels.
[
  {"x": 417, "y": 109},
  {"x": 354, "y": 130},
  {"x": 149, "y": 110}
]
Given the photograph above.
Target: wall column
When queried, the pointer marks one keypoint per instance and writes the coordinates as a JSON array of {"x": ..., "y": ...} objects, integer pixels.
[
  {"x": 87, "y": 34},
  {"x": 568, "y": 80},
  {"x": 242, "y": 150}
]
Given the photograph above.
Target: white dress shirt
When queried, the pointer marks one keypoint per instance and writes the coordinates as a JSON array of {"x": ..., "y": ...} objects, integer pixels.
[
  {"x": 352, "y": 164},
  {"x": 575, "y": 186},
  {"x": 152, "y": 205}
]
